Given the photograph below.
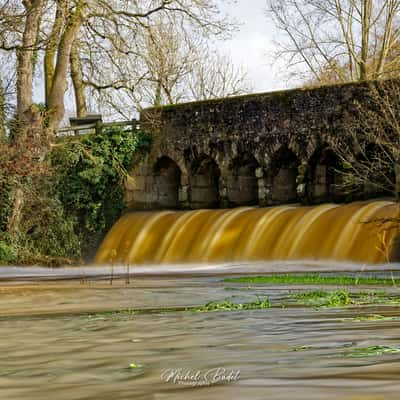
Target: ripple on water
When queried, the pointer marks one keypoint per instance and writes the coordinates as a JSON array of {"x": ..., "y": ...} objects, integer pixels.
[{"x": 58, "y": 344}]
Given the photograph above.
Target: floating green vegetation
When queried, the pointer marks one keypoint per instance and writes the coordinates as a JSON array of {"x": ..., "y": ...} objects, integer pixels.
[
  {"x": 228, "y": 288},
  {"x": 312, "y": 279},
  {"x": 366, "y": 318},
  {"x": 301, "y": 348},
  {"x": 104, "y": 314},
  {"x": 134, "y": 366},
  {"x": 226, "y": 305},
  {"x": 321, "y": 298},
  {"x": 372, "y": 351},
  {"x": 341, "y": 298},
  {"x": 376, "y": 297}
]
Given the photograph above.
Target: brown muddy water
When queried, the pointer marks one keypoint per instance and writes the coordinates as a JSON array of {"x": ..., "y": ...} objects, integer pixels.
[
  {"x": 364, "y": 232},
  {"x": 59, "y": 340}
]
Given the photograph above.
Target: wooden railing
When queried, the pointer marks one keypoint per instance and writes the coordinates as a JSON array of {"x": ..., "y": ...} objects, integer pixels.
[{"x": 96, "y": 127}]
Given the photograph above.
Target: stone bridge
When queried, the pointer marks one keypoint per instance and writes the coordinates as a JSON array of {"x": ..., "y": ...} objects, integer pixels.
[{"x": 260, "y": 149}]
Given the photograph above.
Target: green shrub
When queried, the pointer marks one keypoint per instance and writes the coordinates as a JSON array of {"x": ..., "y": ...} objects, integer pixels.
[
  {"x": 90, "y": 172},
  {"x": 7, "y": 255},
  {"x": 70, "y": 201}
]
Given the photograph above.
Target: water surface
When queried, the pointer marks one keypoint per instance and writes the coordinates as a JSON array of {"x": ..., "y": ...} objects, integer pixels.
[{"x": 58, "y": 344}]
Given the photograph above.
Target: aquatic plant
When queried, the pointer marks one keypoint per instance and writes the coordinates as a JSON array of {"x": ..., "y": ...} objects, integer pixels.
[
  {"x": 311, "y": 279},
  {"x": 321, "y": 298},
  {"x": 366, "y": 318},
  {"x": 227, "y": 305},
  {"x": 372, "y": 351}
]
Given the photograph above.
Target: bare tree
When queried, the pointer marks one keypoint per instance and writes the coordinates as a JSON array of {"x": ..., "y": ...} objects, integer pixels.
[
  {"x": 342, "y": 40},
  {"x": 370, "y": 156},
  {"x": 215, "y": 76},
  {"x": 69, "y": 34},
  {"x": 171, "y": 62},
  {"x": 114, "y": 45}
]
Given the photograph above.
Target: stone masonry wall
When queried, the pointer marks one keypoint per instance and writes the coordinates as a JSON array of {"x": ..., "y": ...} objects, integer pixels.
[{"x": 256, "y": 149}]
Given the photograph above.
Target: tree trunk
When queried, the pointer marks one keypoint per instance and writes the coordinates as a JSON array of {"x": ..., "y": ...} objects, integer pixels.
[
  {"x": 157, "y": 97},
  {"x": 25, "y": 61},
  {"x": 3, "y": 137},
  {"x": 52, "y": 45},
  {"x": 387, "y": 38},
  {"x": 15, "y": 217},
  {"x": 59, "y": 85},
  {"x": 365, "y": 31},
  {"x": 77, "y": 80}
]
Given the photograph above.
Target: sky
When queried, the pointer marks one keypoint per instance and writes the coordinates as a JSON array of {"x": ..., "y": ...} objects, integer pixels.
[{"x": 253, "y": 45}]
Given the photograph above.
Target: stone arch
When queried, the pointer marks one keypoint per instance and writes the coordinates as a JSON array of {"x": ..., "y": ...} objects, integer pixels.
[
  {"x": 167, "y": 180},
  {"x": 204, "y": 183},
  {"x": 281, "y": 176},
  {"x": 178, "y": 159},
  {"x": 241, "y": 180},
  {"x": 324, "y": 180}
]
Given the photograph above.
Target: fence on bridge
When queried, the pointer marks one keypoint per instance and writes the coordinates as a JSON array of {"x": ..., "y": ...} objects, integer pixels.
[{"x": 96, "y": 127}]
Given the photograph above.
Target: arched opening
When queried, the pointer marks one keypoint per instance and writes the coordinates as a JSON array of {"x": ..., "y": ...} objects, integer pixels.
[
  {"x": 167, "y": 178},
  {"x": 325, "y": 182},
  {"x": 204, "y": 183},
  {"x": 282, "y": 177},
  {"x": 242, "y": 183}
]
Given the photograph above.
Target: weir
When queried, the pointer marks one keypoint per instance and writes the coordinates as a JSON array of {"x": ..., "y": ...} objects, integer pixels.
[{"x": 358, "y": 232}]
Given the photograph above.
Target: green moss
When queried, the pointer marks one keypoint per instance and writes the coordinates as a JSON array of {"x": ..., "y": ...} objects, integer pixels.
[{"x": 313, "y": 279}]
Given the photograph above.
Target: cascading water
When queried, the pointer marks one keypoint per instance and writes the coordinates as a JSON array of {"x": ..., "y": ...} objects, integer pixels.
[{"x": 358, "y": 232}]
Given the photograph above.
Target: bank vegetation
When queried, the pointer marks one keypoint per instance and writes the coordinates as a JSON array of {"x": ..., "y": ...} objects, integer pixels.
[{"x": 57, "y": 195}]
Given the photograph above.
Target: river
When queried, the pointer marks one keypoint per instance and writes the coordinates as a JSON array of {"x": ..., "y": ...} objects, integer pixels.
[{"x": 62, "y": 339}]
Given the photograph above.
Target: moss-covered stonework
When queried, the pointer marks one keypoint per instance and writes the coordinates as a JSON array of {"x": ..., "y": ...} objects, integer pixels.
[{"x": 264, "y": 149}]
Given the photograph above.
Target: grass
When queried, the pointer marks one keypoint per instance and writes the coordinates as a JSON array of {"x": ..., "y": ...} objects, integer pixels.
[{"x": 313, "y": 279}]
